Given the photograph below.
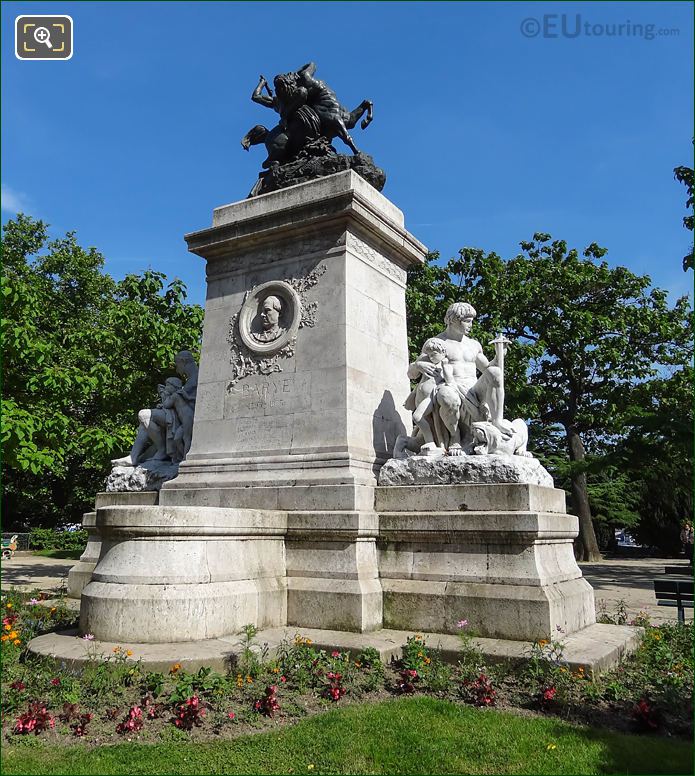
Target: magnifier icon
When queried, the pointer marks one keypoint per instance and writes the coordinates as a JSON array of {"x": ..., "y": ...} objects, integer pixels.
[{"x": 42, "y": 35}]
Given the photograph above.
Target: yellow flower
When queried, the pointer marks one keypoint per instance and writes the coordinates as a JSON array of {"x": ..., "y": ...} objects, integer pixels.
[
  {"x": 16, "y": 642},
  {"x": 543, "y": 643},
  {"x": 359, "y": 665},
  {"x": 129, "y": 652},
  {"x": 13, "y": 634},
  {"x": 427, "y": 661},
  {"x": 308, "y": 641},
  {"x": 551, "y": 746},
  {"x": 310, "y": 767},
  {"x": 175, "y": 668},
  {"x": 4, "y": 637},
  {"x": 9, "y": 605},
  {"x": 53, "y": 610},
  {"x": 249, "y": 680},
  {"x": 276, "y": 670},
  {"x": 656, "y": 636},
  {"x": 419, "y": 654},
  {"x": 116, "y": 650}
]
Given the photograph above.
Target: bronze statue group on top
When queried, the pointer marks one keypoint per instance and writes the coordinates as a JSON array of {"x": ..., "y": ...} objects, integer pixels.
[{"x": 299, "y": 146}]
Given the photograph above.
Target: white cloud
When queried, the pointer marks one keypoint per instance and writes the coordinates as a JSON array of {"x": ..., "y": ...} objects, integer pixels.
[{"x": 13, "y": 201}]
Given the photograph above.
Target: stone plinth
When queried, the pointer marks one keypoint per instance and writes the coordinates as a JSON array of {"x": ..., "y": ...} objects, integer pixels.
[
  {"x": 500, "y": 556},
  {"x": 80, "y": 574},
  {"x": 168, "y": 574},
  {"x": 323, "y": 408},
  {"x": 332, "y": 571}
]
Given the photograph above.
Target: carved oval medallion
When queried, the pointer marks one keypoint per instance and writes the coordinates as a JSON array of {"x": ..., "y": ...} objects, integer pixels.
[{"x": 269, "y": 318}]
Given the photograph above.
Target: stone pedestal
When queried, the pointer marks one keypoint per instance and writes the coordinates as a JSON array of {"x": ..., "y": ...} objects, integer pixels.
[
  {"x": 309, "y": 424},
  {"x": 498, "y": 555},
  {"x": 80, "y": 574},
  {"x": 169, "y": 574}
]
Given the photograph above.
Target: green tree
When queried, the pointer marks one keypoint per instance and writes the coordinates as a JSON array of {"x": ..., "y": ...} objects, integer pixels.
[
  {"x": 656, "y": 453},
  {"x": 686, "y": 176},
  {"x": 82, "y": 353},
  {"x": 586, "y": 336}
]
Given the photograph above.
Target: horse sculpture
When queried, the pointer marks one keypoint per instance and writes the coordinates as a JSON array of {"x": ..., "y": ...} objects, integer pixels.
[{"x": 310, "y": 117}]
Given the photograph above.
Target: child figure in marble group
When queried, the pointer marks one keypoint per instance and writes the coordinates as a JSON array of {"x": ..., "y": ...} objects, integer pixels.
[{"x": 422, "y": 401}]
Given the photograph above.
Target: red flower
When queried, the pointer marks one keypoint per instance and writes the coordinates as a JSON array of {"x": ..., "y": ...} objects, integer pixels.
[
  {"x": 35, "y": 720},
  {"x": 19, "y": 686},
  {"x": 55, "y": 681},
  {"x": 335, "y": 653},
  {"x": 132, "y": 722},
  {"x": 549, "y": 694}
]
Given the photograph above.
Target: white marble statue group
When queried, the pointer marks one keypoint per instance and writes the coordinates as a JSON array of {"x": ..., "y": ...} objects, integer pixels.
[
  {"x": 455, "y": 411},
  {"x": 165, "y": 431}
]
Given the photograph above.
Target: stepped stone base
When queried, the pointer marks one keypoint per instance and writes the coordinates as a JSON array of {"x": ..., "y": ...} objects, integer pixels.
[
  {"x": 595, "y": 649},
  {"x": 422, "y": 558}
]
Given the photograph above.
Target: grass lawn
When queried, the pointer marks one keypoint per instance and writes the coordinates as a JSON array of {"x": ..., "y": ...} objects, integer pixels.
[
  {"x": 67, "y": 554},
  {"x": 408, "y": 735}
]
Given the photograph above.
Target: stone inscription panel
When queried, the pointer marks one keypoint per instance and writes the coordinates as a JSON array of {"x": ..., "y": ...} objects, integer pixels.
[
  {"x": 277, "y": 394},
  {"x": 266, "y": 433}
]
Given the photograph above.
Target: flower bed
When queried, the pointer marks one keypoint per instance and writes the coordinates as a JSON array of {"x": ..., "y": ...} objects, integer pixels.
[{"x": 115, "y": 698}]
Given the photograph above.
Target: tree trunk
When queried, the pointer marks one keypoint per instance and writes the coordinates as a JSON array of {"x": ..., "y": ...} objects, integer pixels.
[{"x": 588, "y": 546}]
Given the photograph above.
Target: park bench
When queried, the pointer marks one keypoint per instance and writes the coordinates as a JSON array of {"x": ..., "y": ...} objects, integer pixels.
[
  {"x": 674, "y": 592},
  {"x": 681, "y": 569},
  {"x": 8, "y": 547}
]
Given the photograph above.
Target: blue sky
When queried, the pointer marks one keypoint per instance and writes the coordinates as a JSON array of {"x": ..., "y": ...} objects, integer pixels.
[{"x": 486, "y": 134}]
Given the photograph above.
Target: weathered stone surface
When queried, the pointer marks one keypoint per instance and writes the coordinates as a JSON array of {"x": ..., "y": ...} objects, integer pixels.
[
  {"x": 464, "y": 469},
  {"x": 169, "y": 574},
  {"x": 596, "y": 648},
  {"x": 150, "y": 475},
  {"x": 324, "y": 410}
]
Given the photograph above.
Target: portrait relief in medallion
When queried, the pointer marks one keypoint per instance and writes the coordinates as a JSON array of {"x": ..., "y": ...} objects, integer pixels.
[
  {"x": 270, "y": 314},
  {"x": 264, "y": 331},
  {"x": 270, "y": 317}
]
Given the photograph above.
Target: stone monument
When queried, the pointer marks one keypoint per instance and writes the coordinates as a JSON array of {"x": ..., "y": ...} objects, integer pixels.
[{"x": 305, "y": 500}]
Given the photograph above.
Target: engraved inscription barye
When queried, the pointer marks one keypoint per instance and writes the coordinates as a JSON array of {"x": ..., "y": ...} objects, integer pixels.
[
  {"x": 269, "y": 396},
  {"x": 265, "y": 330}
]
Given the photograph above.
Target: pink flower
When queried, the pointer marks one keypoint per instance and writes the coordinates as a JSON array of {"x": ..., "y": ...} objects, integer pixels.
[
  {"x": 88, "y": 637},
  {"x": 283, "y": 679},
  {"x": 462, "y": 623},
  {"x": 32, "y": 601},
  {"x": 335, "y": 653},
  {"x": 231, "y": 715}
]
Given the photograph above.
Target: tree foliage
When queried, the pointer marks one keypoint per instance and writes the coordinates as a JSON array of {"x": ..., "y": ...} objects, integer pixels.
[
  {"x": 686, "y": 176},
  {"x": 590, "y": 341},
  {"x": 82, "y": 353}
]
